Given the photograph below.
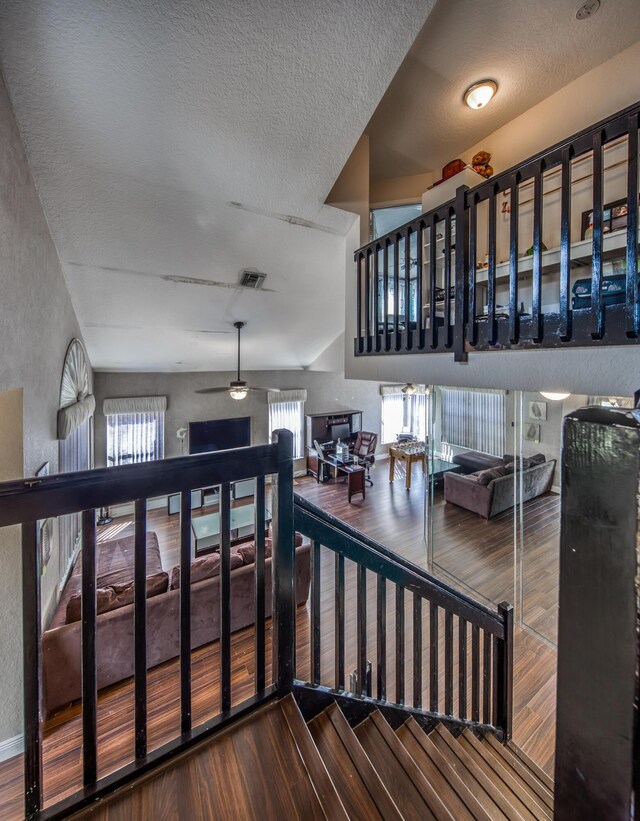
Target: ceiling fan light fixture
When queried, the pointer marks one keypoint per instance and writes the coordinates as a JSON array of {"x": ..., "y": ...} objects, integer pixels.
[
  {"x": 554, "y": 397},
  {"x": 479, "y": 94},
  {"x": 409, "y": 389},
  {"x": 238, "y": 390}
]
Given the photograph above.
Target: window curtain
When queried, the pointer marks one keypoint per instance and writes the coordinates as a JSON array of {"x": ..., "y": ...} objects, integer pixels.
[
  {"x": 134, "y": 437},
  {"x": 392, "y": 416},
  {"x": 286, "y": 411},
  {"x": 474, "y": 419}
]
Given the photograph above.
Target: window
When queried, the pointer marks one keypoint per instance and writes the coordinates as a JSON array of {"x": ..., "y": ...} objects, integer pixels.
[
  {"x": 384, "y": 220},
  {"x": 74, "y": 453},
  {"x": 288, "y": 414},
  {"x": 134, "y": 437},
  {"x": 474, "y": 419},
  {"x": 402, "y": 412}
]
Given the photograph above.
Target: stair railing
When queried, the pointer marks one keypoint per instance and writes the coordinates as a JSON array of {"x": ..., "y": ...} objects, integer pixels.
[
  {"x": 28, "y": 502},
  {"x": 433, "y": 284},
  {"x": 462, "y": 636}
]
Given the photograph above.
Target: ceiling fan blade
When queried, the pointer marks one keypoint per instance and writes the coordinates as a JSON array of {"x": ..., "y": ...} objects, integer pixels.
[
  {"x": 213, "y": 390},
  {"x": 256, "y": 388}
]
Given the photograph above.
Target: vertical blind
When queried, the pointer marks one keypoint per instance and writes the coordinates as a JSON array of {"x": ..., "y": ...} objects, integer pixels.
[
  {"x": 73, "y": 454},
  {"x": 403, "y": 412},
  {"x": 474, "y": 419},
  {"x": 290, "y": 416},
  {"x": 134, "y": 437}
]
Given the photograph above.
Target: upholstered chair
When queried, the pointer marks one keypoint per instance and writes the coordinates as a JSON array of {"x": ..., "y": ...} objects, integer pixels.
[{"x": 365, "y": 450}]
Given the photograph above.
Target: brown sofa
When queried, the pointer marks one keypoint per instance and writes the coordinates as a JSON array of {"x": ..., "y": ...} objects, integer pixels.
[
  {"x": 490, "y": 491},
  {"x": 61, "y": 645}
]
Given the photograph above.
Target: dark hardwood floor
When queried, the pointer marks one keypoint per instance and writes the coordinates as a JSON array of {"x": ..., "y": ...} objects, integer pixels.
[{"x": 474, "y": 555}]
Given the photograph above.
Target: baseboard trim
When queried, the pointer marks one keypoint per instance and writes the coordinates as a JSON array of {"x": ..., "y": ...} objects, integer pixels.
[{"x": 11, "y": 747}]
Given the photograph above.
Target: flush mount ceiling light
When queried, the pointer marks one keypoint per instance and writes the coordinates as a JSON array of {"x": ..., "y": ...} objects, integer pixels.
[
  {"x": 479, "y": 94},
  {"x": 554, "y": 397}
]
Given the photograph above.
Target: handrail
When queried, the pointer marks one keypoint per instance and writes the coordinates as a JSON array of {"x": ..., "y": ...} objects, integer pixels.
[
  {"x": 488, "y": 297},
  {"x": 429, "y": 585}
]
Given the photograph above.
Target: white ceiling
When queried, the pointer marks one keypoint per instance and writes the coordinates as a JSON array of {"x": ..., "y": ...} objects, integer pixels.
[
  {"x": 530, "y": 48},
  {"x": 146, "y": 123}
]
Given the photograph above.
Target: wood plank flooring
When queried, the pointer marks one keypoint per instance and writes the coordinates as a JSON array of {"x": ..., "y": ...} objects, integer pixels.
[{"x": 479, "y": 553}]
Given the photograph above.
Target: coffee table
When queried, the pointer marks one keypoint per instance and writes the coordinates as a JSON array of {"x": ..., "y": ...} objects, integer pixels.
[
  {"x": 438, "y": 467},
  {"x": 206, "y": 529}
]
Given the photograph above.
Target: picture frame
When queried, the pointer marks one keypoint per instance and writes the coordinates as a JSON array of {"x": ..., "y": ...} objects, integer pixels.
[
  {"x": 538, "y": 411},
  {"x": 614, "y": 218},
  {"x": 532, "y": 432}
]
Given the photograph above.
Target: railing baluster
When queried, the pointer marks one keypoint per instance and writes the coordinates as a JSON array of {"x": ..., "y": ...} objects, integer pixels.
[
  {"x": 460, "y": 277},
  {"x": 514, "y": 321},
  {"x": 367, "y": 301},
  {"x": 339, "y": 621},
  {"x": 491, "y": 271},
  {"x": 447, "y": 279},
  {"x": 596, "y": 310},
  {"x": 503, "y": 683},
  {"x": 448, "y": 662},
  {"x": 260, "y": 592},
  {"x": 565, "y": 245},
  {"x": 433, "y": 332},
  {"x": 385, "y": 317},
  {"x": 376, "y": 298},
  {"x": 185, "y": 612},
  {"x": 472, "y": 333},
  {"x": 399, "y": 644},
  {"x": 396, "y": 292},
  {"x": 462, "y": 667},
  {"x": 283, "y": 566},
  {"x": 408, "y": 336},
  {"x": 419, "y": 286},
  {"x": 417, "y": 651},
  {"x": 361, "y": 640},
  {"x": 32, "y": 669},
  {"x": 140, "y": 627},
  {"x": 633, "y": 309},
  {"x": 315, "y": 613},
  {"x": 433, "y": 658},
  {"x": 360, "y": 273},
  {"x": 381, "y": 642},
  {"x": 486, "y": 678},
  {"x": 225, "y": 597},
  {"x": 536, "y": 283},
  {"x": 89, "y": 678},
  {"x": 475, "y": 673}
]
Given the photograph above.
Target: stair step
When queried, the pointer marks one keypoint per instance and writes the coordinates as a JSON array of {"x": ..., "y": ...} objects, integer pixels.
[
  {"x": 311, "y": 758},
  {"x": 530, "y": 764},
  {"x": 464, "y": 763},
  {"x": 519, "y": 770},
  {"x": 412, "y": 793},
  {"x": 457, "y": 797},
  {"x": 361, "y": 790},
  {"x": 533, "y": 805}
]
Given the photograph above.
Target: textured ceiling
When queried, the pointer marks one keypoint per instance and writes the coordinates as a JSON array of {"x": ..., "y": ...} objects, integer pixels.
[
  {"x": 173, "y": 142},
  {"x": 530, "y": 48}
]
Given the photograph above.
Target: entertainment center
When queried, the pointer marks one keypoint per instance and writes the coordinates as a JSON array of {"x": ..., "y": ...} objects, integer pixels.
[{"x": 327, "y": 428}]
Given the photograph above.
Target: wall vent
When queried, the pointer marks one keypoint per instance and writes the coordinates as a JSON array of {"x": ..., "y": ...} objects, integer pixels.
[{"x": 252, "y": 279}]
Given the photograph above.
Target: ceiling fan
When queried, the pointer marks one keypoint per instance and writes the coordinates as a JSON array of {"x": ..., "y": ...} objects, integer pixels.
[{"x": 238, "y": 389}]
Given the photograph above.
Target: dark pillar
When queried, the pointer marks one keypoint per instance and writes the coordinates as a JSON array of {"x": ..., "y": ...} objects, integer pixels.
[{"x": 598, "y": 640}]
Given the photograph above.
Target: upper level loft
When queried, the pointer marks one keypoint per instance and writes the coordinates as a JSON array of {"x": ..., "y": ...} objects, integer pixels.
[{"x": 543, "y": 255}]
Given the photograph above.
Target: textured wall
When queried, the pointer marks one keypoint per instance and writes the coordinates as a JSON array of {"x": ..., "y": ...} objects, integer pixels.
[
  {"x": 37, "y": 321},
  {"x": 326, "y": 391}
]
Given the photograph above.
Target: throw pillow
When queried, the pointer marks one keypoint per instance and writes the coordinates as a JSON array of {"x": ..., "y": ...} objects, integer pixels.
[
  {"x": 111, "y": 598},
  {"x": 247, "y": 552},
  {"x": 206, "y": 567},
  {"x": 488, "y": 475},
  {"x": 537, "y": 459}
]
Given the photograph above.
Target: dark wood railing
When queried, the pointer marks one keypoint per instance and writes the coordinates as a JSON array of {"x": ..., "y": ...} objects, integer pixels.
[
  {"x": 27, "y": 501},
  {"x": 429, "y": 286},
  {"x": 463, "y": 636}
]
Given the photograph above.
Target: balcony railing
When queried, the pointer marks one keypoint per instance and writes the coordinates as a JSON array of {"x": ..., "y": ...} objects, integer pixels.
[{"x": 543, "y": 255}]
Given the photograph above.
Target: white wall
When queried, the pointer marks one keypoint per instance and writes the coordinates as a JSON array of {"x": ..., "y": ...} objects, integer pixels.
[{"x": 37, "y": 322}]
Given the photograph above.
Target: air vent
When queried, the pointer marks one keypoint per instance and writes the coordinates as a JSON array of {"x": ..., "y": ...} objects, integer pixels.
[{"x": 252, "y": 279}]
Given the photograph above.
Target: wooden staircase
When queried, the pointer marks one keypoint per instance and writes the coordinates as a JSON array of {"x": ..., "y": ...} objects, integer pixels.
[{"x": 274, "y": 765}]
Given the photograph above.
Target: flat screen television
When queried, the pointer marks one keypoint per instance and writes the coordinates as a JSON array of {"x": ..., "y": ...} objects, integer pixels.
[
  {"x": 341, "y": 432},
  {"x": 219, "y": 434}
]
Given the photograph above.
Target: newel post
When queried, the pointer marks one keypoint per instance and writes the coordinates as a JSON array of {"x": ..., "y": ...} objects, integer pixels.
[
  {"x": 283, "y": 565},
  {"x": 598, "y": 621}
]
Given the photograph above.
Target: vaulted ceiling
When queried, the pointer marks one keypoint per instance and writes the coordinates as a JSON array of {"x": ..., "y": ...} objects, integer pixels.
[
  {"x": 531, "y": 49},
  {"x": 174, "y": 144}
]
